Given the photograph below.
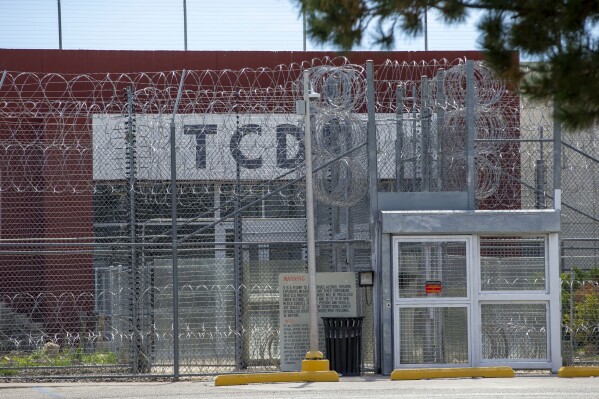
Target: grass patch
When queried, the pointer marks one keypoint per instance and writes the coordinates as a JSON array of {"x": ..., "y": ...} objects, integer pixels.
[{"x": 10, "y": 363}]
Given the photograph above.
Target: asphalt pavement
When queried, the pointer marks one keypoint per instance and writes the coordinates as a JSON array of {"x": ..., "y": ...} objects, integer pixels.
[{"x": 378, "y": 387}]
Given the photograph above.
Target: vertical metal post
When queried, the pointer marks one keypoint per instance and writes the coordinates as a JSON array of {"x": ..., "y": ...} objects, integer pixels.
[
  {"x": 425, "y": 28},
  {"x": 375, "y": 239},
  {"x": 540, "y": 189},
  {"x": 3, "y": 77},
  {"x": 425, "y": 127},
  {"x": 554, "y": 268},
  {"x": 238, "y": 260},
  {"x": 573, "y": 344},
  {"x": 542, "y": 147},
  {"x": 59, "y": 25},
  {"x": 415, "y": 156},
  {"x": 440, "y": 128},
  {"x": 349, "y": 248},
  {"x": 175, "y": 254},
  {"x": 304, "y": 22},
  {"x": 557, "y": 161},
  {"x": 1, "y": 84},
  {"x": 335, "y": 230},
  {"x": 185, "y": 25},
  {"x": 399, "y": 133},
  {"x": 555, "y": 312},
  {"x": 470, "y": 133},
  {"x": 312, "y": 298},
  {"x": 134, "y": 300},
  {"x": 219, "y": 230}
]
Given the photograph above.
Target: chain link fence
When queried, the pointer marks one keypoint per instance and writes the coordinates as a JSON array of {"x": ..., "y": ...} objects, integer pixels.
[
  {"x": 88, "y": 182},
  {"x": 580, "y": 246},
  {"x": 95, "y": 261}
]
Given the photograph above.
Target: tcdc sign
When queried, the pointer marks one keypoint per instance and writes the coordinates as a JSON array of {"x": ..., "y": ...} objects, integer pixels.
[{"x": 208, "y": 146}]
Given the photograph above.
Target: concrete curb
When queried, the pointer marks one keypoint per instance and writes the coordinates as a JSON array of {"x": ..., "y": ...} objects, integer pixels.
[
  {"x": 462, "y": 372},
  {"x": 261, "y": 378},
  {"x": 582, "y": 371}
]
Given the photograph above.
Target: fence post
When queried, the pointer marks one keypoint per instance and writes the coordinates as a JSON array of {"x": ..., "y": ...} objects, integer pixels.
[
  {"x": 440, "y": 128},
  {"x": 59, "y": 24},
  {"x": 374, "y": 222},
  {"x": 557, "y": 161},
  {"x": 572, "y": 334},
  {"x": 136, "y": 327},
  {"x": 238, "y": 257},
  {"x": 555, "y": 316},
  {"x": 185, "y": 25},
  {"x": 175, "y": 253},
  {"x": 3, "y": 77},
  {"x": 540, "y": 183},
  {"x": 314, "y": 353},
  {"x": 399, "y": 97},
  {"x": 425, "y": 126},
  {"x": 470, "y": 134}
]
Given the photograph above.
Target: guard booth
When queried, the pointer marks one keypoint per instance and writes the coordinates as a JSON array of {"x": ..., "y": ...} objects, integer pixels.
[
  {"x": 468, "y": 275},
  {"x": 471, "y": 288}
]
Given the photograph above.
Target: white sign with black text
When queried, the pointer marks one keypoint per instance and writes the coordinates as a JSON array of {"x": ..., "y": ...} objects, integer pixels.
[{"x": 336, "y": 293}]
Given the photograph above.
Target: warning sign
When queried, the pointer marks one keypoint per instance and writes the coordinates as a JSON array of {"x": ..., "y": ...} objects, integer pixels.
[
  {"x": 336, "y": 296},
  {"x": 433, "y": 287}
]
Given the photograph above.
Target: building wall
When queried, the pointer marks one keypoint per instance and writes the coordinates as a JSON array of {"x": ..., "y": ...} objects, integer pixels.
[{"x": 96, "y": 61}]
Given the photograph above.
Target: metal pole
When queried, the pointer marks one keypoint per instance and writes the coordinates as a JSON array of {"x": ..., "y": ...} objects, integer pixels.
[
  {"x": 174, "y": 253},
  {"x": 540, "y": 192},
  {"x": 185, "y": 24},
  {"x": 471, "y": 176},
  {"x": 375, "y": 238},
  {"x": 314, "y": 353},
  {"x": 415, "y": 146},
  {"x": 174, "y": 233},
  {"x": 304, "y": 22},
  {"x": 399, "y": 95},
  {"x": 440, "y": 128},
  {"x": 3, "y": 77},
  {"x": 425, "y": 28},
  {"x": 555, "y": 312},
  {"x": 237, "y": 258},
  {"x": 571, "y": 309},
  {"x": 425, "y": 127},
  {"x": 557, "y": 205},
  {"x": 135, "y": 322},
  {"x": 557, "y": 161},
  {"x": 59, "y": 25}
]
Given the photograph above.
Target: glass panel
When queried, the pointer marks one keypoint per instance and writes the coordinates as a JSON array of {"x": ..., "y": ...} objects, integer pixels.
[
  {"x": 512, "y": 263},
  {"x": 514, "y": 331},
  {"x": 433, "y": 335},
  {"x": 432, "y": 269}
]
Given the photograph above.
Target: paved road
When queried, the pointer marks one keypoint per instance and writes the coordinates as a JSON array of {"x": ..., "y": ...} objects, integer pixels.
[{"x": 350, "y": 387}]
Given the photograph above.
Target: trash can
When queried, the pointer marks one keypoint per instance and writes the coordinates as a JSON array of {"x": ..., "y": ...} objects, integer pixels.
[{"x": 343, "y": 344}]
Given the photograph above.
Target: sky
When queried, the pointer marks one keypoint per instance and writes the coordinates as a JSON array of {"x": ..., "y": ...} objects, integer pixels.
[{"x": 211, "y": 25}]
